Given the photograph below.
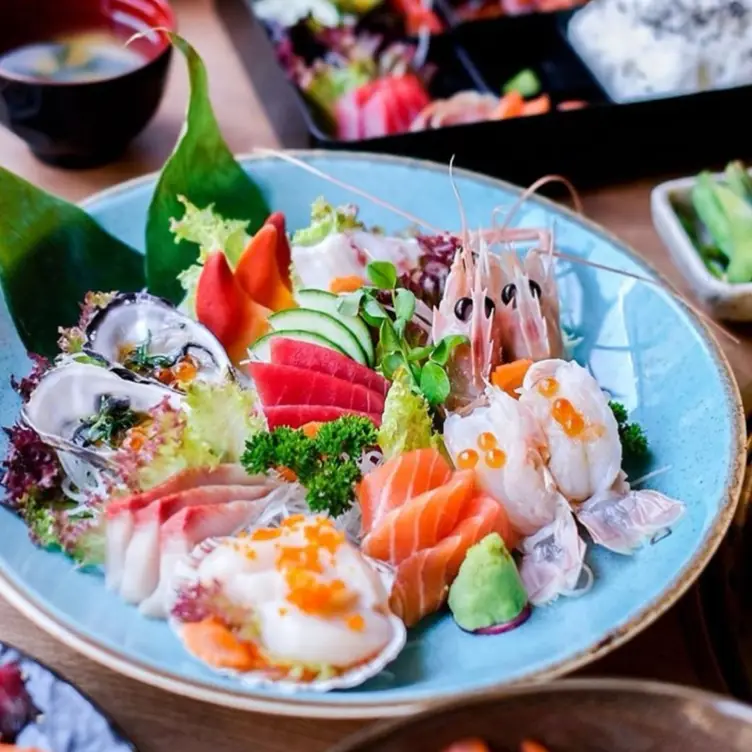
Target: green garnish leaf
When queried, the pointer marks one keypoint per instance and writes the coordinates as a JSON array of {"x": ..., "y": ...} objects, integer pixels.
[
  {"x": 634, "y": 442},
  {"x": 404, "y": 305},
  {"x": 109, "y": 425},
  {"x": 349, "y": 304},
  {"x": 45, "y": 240},
  {"x": 382, "y": 274},
  {"x": 526, "y": 83},
  {"x": 443, "y": 351},
  {"x": 327, "y": 220},
  {"x": 434, "y": 383},
  {"x": 390, "y": 363},
  {"x": 326, "y": 465},
  {"x": 373, "y": 312},
  {"x": 389, "y": 340},
  {"x": 204, "y": 171},
  {"x": 419, "y": 353}
]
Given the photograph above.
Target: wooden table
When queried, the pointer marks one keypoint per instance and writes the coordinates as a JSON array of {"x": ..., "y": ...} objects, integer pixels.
[{"x": 674, "y": 649}]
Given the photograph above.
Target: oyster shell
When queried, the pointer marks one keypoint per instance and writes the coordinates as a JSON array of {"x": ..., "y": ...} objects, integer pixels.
[
  {"x": 187, "y": 578},
  {"x": 140, "y": 334},
  {"x": 72, "y": 393}
]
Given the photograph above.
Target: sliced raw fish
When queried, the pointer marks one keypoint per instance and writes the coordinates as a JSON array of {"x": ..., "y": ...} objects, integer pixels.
[
  {"x": 421, "y": 522},
  {"x": 622, "y": 522},
  {"x": 424, "y": 578},
  {"x": 395, "y": 482},
  {"x": 296, "y": 416},
  {"x": 120, "y": 512},
  {"x": 289, "y": 352},
  {"x": 141, "y": 571},
  {"x": 287, "y": 385},
  {"x": 183, "y": 532}
]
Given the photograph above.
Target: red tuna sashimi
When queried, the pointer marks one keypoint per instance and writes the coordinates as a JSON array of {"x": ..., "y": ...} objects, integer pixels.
[
  {"x": 399, "y": 480},
  {"x": 120, "y": 512},
  {"x": 183, "y": 532},
  {"x": 288, "y": 385},
  {"x": 296, "y": 416},
  {"x": 141, "y": 570},
  {"x": 424, "y": 578},
  {"x": 290, "y": 352}
]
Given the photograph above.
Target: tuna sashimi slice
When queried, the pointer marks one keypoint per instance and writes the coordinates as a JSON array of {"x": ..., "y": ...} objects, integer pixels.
[
  {"x": 398, "y": 480},
  {"x": 423, "y": 580},
  {"x": 120, "y": 512},
  {"x": 183, "y": 532},
  {"x": 288, "y": 385},
  {"x": 296, "y": 416},
  {"x": 141, "y": 571},
  {"x": 290, "y": 352},
  {"x": 421, "y": 522}
]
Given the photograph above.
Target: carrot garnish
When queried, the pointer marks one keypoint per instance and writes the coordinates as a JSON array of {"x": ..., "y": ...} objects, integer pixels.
[
  {"x": 509, "y": 377},
  {"x": 212, "y": 642},
  {"x": 350, "y": 283},
  {"x": 510, "y": 105},
  {"x": 538, "y": 106}
]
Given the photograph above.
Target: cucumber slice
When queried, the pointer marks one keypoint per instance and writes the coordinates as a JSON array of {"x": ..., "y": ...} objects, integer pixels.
[
  {"x": 327, "y": 302},
  {"x": 260, "y": 349},
  {"x": 317, "y": 322}
]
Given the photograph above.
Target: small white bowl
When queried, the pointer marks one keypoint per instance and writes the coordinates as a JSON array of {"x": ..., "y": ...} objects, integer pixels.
[{"x": 732, "y": 302}]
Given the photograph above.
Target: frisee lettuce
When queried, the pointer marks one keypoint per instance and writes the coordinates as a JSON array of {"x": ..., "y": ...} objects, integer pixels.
[{"x": 325, "y": 220}]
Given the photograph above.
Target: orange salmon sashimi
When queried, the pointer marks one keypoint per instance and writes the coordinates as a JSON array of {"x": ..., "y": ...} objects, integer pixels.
[
  {"x": 421, "y": 522},
  {"x": 399, "y": 480},
  {"x": 423, "y": 579}
]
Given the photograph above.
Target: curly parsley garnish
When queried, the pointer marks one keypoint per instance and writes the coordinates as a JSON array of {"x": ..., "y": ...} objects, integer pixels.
[{"x": 634, "y": 442}]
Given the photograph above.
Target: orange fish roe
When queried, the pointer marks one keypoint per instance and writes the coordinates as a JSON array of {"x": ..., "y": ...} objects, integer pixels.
[
  {"x": 266, "y": 534},
  {"x": 487, "y": 441},
  {"x": 324, "y": 536},
  {"x": 495, "y": 459},
  {"x": 312, "y": 596},
  {"x": 185, "y": 370},
  {"x": 299, "y": 557},
  {"x": 568, "y": 417},
  {"x": 134, "y": 440},
  {"x": 548, "y": 387},
  {"x": 356, "y": 623},
  {"x": 283, "y": 611},
  {"x": 292, "y": 520},
  {"x": 467, "y": 459}
]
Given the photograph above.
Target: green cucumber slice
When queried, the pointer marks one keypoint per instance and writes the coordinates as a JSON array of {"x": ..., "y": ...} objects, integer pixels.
[
  {"x": 327, "y": 302},
  {"x": 317, "y": 322},
  {"x": 260, "y": 349}
]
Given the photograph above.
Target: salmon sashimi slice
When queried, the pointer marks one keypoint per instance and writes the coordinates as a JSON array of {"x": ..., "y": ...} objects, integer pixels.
[
  {"x": 423, "y": 580},
  {"x": 398, "y": 480},
  {"x": 141, "y": 569},
  {"x": 186, "y": 530},
  {"x": 421, "y": 522},
  {"x": 120, "y": 512}
]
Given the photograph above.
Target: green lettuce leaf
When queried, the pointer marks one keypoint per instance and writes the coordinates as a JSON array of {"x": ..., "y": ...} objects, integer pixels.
[
  {"x": 204, "y": 171},
  {"x": 406, "y": 423},
  {"x": 47, "y": 241},
  {"x": 325, "y": 220}
]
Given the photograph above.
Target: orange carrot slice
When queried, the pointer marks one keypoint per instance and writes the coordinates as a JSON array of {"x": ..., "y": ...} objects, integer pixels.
[
  {"x": 350, "y": 283},
  {"x": 223, "y": 308},
  {"x": 468, "y": 745},
  {"x": 311, "y": 429},
  {"x": 287, "y": 474},
  {"x": 258, "y": 273},
  {"x": 213, "y": 643},
  {"x": 284, "y": 255},
  {"x": 509, "y": 377},
  {"x": 538, "y": 106},
  {"x": 510, "y": 105}
]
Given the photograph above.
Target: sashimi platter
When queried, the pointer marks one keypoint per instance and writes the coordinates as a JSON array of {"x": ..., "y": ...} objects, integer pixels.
[{"x": 272, "y": 448}]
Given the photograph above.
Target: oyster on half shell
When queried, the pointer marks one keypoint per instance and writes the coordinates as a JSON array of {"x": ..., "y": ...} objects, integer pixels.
[{"x": 146, "y": 337}]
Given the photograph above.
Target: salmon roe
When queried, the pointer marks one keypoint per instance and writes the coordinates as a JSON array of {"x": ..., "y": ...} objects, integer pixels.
[
  {"x": 467, "y": 459},
  {"x": 185, "y": 370},
  {"x": 495, "y": 459},
  {"x": 356, "y": 623},
  {"x": 568, "y": 417},
  {"x": 548, "y": 387},
  {"x": 487, "y": 441},
  {"x": 266, "y": 534},
  {"x": 312, "y": 596}
]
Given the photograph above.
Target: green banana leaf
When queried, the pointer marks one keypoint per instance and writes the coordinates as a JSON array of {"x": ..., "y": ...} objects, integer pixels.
[
  {"x": 51, "y": 254},
  {"x": 203, "y": 169}
]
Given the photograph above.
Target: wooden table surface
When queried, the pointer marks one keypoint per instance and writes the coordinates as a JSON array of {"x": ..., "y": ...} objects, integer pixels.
[{"x": 673, "y": 649}]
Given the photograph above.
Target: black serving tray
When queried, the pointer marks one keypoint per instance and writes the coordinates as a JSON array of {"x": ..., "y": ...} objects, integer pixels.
[{"x": 604, "y": 142}]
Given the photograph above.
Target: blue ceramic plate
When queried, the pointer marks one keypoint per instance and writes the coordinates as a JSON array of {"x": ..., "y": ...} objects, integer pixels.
[
  {"x": 643, "y": 346},
  {"x": 67, "y": 719}
]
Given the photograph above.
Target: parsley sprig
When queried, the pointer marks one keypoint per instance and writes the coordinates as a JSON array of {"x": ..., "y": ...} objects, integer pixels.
[
  {"x": 327, "y": 465},
  {"x": 426, "y": 365},
  {"x": 634, "y": 442}
]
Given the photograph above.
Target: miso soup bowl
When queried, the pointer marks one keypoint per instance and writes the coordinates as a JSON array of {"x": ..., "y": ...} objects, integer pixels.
[
  {"x": 83, "y": 123},
  {"x": 575, "y": 715}
]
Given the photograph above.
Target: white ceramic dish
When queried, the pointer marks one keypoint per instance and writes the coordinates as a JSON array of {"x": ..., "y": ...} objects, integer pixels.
[{"x": 732, "y": 302}]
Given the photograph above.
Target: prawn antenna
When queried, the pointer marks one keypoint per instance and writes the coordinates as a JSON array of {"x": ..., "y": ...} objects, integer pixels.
[
  {"x": 456, "y": 191},
  {"x": 534, "y": 188},
  {"x": 286, "y": 157}
]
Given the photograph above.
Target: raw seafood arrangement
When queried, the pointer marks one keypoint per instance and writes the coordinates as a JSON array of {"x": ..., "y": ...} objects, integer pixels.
[
  {"x": 267, "y": 435},
  {"x": 376, "y": 73},
  {"x": 719, "y": 222}
]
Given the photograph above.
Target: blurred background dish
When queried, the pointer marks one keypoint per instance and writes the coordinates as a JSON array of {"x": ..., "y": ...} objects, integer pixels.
[
  {"x": 68, "y": 85},
  {"x": 589, "y": 715}
]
